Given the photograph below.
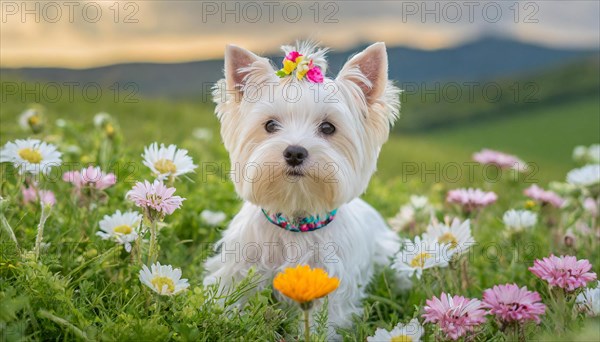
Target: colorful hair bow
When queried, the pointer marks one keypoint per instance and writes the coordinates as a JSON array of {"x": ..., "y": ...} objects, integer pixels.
[{"x": 295, "y": 61}]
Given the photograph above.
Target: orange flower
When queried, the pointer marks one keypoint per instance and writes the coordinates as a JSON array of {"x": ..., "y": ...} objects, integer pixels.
[{"x": 303, "y": 284}]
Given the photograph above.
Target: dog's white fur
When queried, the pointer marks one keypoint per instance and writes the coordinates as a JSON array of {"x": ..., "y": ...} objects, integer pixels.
[{"x": 362, "y": 104}]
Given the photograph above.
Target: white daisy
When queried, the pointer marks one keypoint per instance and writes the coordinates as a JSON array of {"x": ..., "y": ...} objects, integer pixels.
[
  {"x": 120, "y": 227},
  {"x": 419, "y": 202},
  {"x": 589, "y": 300},
  {"x": 417, "y": 208},
  {"x": 62, "y": 123},
  {"x": 585, "y": 176},
  {"x": 414, "y": 257},
  {"x": 593, "y": 153},
  {"x": 411, "y": 332},
  {"x": 202, "y": 134},
  {"x": 101, "y": 119},
  {"x": 167, "y": 161},
  {"x": 586, "y": 154},
  {"x": 404, "y": 218},
  {"x": 579, "y": 153},
  {"x": 213, "y": 218},
  {"x": 31, "y": 119},
  {"x": 163, "y": 279},
  {"x": 457, "y": 234},
  {"x": 519, "y": 219},
  {"x": 30, "y": 155}
]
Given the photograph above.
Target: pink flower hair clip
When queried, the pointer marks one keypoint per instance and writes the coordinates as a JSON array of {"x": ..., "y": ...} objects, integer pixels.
[{"x": 295, "y": 61}]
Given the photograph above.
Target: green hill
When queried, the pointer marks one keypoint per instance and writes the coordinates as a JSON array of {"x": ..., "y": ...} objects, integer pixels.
[
  {"x": 440, "y": 105},
  {"x": 545, "y": 136},
  {"x": 565, "y": 113}
]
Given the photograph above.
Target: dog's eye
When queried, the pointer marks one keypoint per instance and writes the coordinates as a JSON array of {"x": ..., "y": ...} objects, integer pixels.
[
  {"x": 326, "y": 128},
  {"x": 272, "y": 126}
]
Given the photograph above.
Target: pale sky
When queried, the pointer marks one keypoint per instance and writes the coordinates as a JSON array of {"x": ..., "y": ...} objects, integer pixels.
[{"x": 93, "y": 33}]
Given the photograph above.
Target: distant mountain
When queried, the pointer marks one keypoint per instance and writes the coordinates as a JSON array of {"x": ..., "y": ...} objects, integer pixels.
[
  {"x": 486, "y": 58},
  {"x": 553, "y": 86}
]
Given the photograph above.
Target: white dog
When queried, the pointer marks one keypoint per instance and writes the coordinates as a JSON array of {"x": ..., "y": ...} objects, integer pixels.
[{"x": 303, "y": 149}]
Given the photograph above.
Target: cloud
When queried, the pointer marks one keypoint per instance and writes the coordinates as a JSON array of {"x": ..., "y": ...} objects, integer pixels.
[{"x": 172, "y": 31}]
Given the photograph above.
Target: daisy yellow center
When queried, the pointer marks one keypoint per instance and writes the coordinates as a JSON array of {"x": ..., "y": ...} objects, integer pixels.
[
  {"x": 123, "y": 229},
  {"x": 419, "y": 260},
  {"x": 33, "y": 120},
  {"x": 160, "y": 281},
  {"x": 448, "y": 238},
  {"x": 401, "y": 338},
  {"x": 31, "y": 155},
  {"x": 165, "y": 166},
  {"x": 109, "y": 129},
  {"x": 529, "y": 204}
]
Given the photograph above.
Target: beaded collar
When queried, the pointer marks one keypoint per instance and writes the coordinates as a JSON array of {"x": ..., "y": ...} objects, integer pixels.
[{"x": 300, "y": 224}]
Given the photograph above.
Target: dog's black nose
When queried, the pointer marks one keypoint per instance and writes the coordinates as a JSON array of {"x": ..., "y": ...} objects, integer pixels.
[{"x": 295, "y": 155}]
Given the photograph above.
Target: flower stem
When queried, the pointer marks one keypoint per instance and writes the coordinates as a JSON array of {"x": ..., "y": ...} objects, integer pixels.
[
  {"x": 64, "y": 323},
  {"x": 465, "y": 284},
  {"x": 153, "y": 253},
  {"x": 104, "y": 152},
  {"x": 560, "y": 310},
  {"x": 40, "y": 232},
  {"x": 158, "y": 305},
  {"x": 9, "y": 230},
  {"x": 137, "y": 248},
  {"x": 521, "y": 333},
  {"x": 306, "y": 326}
]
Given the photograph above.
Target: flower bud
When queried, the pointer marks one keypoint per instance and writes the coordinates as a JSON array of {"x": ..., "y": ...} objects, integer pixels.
[{"x": 569, "y": 238}]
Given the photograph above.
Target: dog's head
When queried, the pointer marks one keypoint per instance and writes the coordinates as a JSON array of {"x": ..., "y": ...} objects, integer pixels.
[{"x": 298, "y": 146}]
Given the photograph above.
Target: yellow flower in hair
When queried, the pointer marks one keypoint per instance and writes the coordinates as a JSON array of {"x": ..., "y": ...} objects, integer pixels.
[
  {"x": 303, "y": 284},
  {"x": 290, "y": 62},
  {"x": 294, "y": 61},
  {"x": 302, "y": 69},
  {"x": 288, "y": 66}
]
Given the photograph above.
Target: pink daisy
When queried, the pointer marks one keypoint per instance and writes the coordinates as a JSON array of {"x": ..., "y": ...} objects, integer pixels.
[
  {"x": 500, "y": 159},
  {"x": 513, "y": 304},
  {"x": 29, "y": 194},
  {"x": 47, "y": 198},
  {"x": 32, "y": 194},
  {"x": 538, "y": 194},
  {"x": 91, "y": 177},
  {"x": 591, "y": 206},
  {"x": 565, "y": 272},
  {"x": 456, "y": 316},
  {"x": 471, "y": 198},
  {"x": 155, "y": 197}
]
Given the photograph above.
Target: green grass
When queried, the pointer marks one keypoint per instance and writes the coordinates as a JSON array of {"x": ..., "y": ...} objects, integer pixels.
[
  {"x": 84, "y": 288},
  {"x": 545, "y": 136}
]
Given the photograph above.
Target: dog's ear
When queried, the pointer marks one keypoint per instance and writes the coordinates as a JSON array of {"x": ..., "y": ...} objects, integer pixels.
[
  {"x": 369, "y": 71},
  {"x": 239, "y": 63}
]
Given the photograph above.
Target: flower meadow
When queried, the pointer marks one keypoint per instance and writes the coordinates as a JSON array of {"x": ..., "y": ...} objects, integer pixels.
[{"x": 104, "y": 239}]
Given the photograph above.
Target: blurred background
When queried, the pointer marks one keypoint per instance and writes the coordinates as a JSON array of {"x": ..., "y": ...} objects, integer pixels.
[{"x": 518, "y": 76}]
